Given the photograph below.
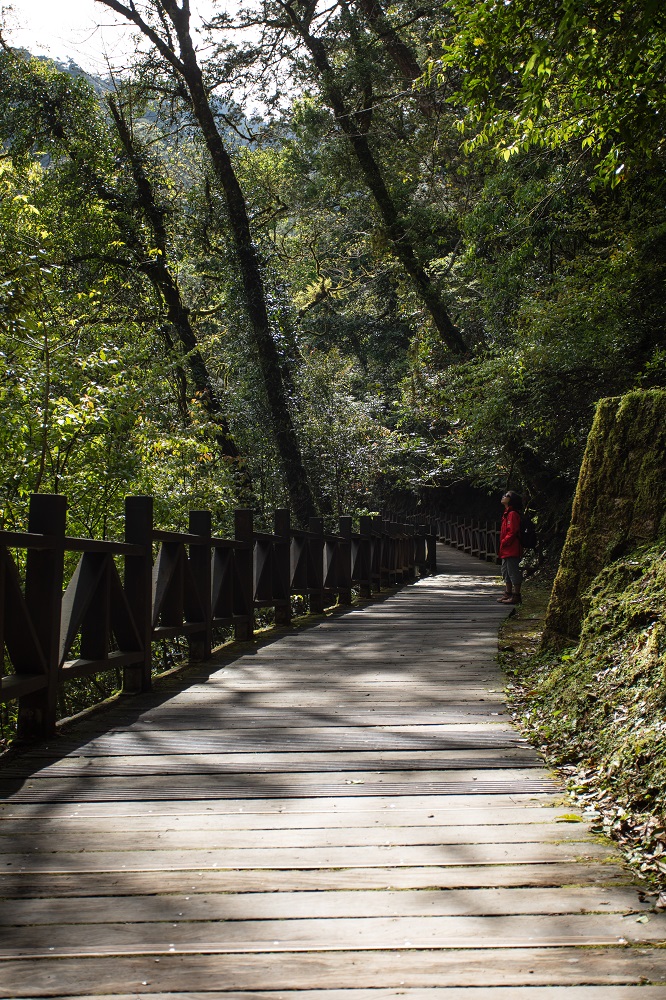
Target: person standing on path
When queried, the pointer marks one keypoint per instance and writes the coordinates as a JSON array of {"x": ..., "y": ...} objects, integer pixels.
[{"x": 510, "y": 548}]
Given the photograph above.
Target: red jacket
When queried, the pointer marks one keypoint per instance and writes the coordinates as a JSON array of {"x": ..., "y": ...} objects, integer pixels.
[{"x": 510, "y": 535}]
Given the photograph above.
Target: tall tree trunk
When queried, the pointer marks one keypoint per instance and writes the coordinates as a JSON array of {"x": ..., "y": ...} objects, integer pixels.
[
  {"x": 187, "y": 67},
  {"x": 178, "y": 315},
  {"x": 396, "y": 48},
  {"x": 355, "y": 125}
]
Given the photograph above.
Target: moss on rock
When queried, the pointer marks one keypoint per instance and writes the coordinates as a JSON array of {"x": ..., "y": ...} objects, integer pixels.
[
  {"x": 598, "y": 710},
  {"x": 620, "y": 502}
]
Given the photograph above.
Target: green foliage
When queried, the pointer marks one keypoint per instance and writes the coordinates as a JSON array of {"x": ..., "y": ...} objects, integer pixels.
[
  {"x": 563, "y": 290},
  {"x": 347, "y": 448},
  {"x": 558, "y": 73},
  {"x": 558, "y": 289},
  {"x": 88, "y": 386}
]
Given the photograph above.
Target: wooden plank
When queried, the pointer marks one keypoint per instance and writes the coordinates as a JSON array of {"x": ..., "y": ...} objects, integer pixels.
[
  {"x": 427, "y": 654},
  {"x": 305, "y": 905},
  {"x": 268, "y": 723},
  {"x": 451, "y": 650},
  {"x": 380, "y": 670},
  {"x": 484, "y": 967},
  {"x": 357, "y": 684},
  {"x": 280, "y": 785},
  {"x": 485, "y": 819},
  {"x": 286, "y": 739},
  {"x": 314, "y": 857},
  {"x": 447, "y": 637},
  {"x": 464, "y": 703},
  {"x": 184, "y": 838},
  {"x": 412, "y": 619},
  {"x": 320, "y": 671},
  {"x": 291, "y": 762},
  {"x": 445, "y": 993},
  {"x": 28, "y": 884},
  {"x": 363, "y": 645},
  {"x": 355, "y": 649},
  {"x": 488, "y": 820},
  {"x": 340, "y": 714},
  {"x": 270, "y": 937},
  {"x": 340, "y": 804},
  {"x": 473, "y": 603},
  {"x": 458, "y": 689},
  {"x": 464, "y": 774}
]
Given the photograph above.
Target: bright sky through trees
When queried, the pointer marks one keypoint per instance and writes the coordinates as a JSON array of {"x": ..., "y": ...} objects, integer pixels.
[
  {"x": 79, "y": 29},
  {"x": 82, "y": 30}
]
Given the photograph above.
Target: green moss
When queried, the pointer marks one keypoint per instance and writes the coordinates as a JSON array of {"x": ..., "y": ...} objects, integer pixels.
[
  {"x": 620, "y": 502},
  {"x": 599, "y": 709}
]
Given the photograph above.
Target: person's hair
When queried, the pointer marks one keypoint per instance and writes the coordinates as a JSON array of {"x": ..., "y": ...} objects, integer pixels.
[{"x": 516, "y": 500}]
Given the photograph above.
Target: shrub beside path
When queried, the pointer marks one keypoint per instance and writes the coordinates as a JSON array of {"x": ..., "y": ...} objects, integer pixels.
[{"x": 339, "y": 812}]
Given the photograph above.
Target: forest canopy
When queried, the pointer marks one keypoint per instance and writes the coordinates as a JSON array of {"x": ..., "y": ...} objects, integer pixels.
[{"x": 337, "y": 256}]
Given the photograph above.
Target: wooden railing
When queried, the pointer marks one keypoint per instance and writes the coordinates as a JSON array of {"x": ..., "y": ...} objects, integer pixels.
[
  {"x": 479, "y": 538},
  {"x": 119, "y": 599}
]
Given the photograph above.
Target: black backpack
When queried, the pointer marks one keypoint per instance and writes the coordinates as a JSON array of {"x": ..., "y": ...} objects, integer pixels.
[{"x": 527, "y": 535}]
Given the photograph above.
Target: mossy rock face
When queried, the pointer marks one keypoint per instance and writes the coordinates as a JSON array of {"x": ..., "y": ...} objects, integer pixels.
[
  {"x": 601, "y": 706},
  {"x": 620, "y": 502}
]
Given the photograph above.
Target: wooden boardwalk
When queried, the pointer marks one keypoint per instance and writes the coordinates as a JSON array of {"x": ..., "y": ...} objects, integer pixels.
[{"x": 342, "y": 813}]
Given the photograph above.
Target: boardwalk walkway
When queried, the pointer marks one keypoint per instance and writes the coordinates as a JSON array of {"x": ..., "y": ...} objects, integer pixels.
[{"x": 343, "y": 813}]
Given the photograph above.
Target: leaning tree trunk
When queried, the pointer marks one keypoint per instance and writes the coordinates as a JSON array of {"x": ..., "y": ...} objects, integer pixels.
[
  {"x": 355, "y": 127},
  {"x": 187, "y": 67}
]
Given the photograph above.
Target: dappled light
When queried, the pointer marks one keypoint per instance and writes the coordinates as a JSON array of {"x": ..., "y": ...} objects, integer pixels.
[{"x": 350, "y": 787}]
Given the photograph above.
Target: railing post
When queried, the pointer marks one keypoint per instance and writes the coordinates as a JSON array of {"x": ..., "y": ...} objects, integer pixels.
[
  {"x": 388, "y": 553},
  {"x": 244, "y": 600},
  {"x": 432, "y": 549},
  {"x": 316, "y": 586},
  {"x": 200, "y": 643},
  {"x": 43, "y": 597},
  {"x": 409, "y": 561},
  {"x": 344, "y": 560},
  {"x": 398, "y": 569},
  {"x": 399, "y": 552},
  {"x": 414, "y": 548},
  {"x": 378, "y": 551},
  {"x": 282, "y": 530},
  {"x": 365, "y": 555},
  {"x": 381, "y": 528},
  {"x": 139, "y": 587},
  {"x": 421, "y": 554}
]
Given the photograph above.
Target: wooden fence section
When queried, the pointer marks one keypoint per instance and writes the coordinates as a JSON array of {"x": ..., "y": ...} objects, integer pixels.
[
  {"x": 478, "y": 538},
  {"x": 120, "y": 599}
]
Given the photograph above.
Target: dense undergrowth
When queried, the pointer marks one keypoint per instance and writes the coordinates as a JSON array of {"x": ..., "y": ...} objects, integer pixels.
[{"x": 598, "y": 711}]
